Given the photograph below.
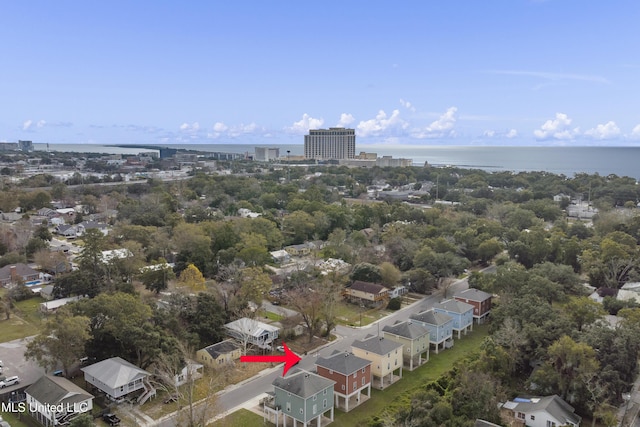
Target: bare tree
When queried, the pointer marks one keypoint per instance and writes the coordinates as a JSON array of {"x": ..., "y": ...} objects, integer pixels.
[{"x": 308, "y": 302}]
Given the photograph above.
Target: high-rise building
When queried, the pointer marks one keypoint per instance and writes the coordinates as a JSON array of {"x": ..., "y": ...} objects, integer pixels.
[
  {"x": 265, "y": 154},
  {"x": 328, "y": 144}
]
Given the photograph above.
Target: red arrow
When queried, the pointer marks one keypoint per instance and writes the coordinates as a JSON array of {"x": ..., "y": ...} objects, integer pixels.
[{"x": 290, "y": 359}]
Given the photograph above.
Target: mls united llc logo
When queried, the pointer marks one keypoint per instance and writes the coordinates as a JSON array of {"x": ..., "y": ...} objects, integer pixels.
[{"x": 44, "y": 408}]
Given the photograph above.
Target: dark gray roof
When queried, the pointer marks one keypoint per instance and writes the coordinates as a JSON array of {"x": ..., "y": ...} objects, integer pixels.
[
  {"x": 368, "y": 287},
  {"x": 407, "y": 329},
  {"x": 473, "y": 295},
  {"x": 553, "y": 405},
  {"x": 56, "y": 390},
  {"x": 21, "y": 270},
  {"x": 302, "y": 383},
  {"x": 376, "y": 345},
  {"x": 454, "y": 306},
  {"x": 343, "y": 362},
  {"x": 431, "y": 317},
  {"x": 222, "y": 347}
]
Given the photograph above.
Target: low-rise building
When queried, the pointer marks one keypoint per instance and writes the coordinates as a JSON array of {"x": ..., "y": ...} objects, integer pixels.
[
  {"x": 218, "y": 354},
  {"x": 548, "y": 411},
  {"x": 17, "y": 273},
  {"x": 55, "y": 400},
  {"x": 118, "y": 378},
  {"x": 480, "y": 300},
  {"x": 352, "y": 376},
  {"x": 250, "y": 331},
  {"x": 440, "y": 327},
  {"x": 385, "y": 356},
  {"x": 302, "y": 396},
  {"x": 367, "y": 292},
  {"x": 414, "y": 338},
  {"x": 461, "y": 312}
]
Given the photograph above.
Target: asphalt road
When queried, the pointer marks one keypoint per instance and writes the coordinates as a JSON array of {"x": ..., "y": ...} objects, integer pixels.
[
  {"x": 12, "y": 356},
  {"x": 235, "y": 397}
]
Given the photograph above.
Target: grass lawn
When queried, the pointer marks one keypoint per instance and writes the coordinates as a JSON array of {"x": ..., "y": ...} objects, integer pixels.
[
  {"x": 24, "y": 421},
  {"x": 25, "y": 320},
  {"x": 399, "y": 393},
  {"x": 241, "y": 418},
  {"x": 350, "y": 314}
]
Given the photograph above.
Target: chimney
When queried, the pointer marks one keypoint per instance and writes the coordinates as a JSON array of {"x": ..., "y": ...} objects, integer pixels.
[{"x": 14, "y": 273}]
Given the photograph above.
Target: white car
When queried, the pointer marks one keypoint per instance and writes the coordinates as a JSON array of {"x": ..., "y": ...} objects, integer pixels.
[
  {"x": 9, "y": 382},
  {"x": 280, "y": 348}
]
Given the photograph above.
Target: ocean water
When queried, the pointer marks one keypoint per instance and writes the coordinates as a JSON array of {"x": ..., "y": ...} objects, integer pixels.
[{"x": 621, "y": 161}]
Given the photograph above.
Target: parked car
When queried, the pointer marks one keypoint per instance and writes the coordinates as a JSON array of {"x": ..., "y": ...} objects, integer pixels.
[
  {"x": 10, "y": 381},
  {"x": 280, "y": 348},
  {"x": 111, "y": 419}
]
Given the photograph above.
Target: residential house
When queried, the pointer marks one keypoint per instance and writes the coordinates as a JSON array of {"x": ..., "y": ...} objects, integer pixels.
[
  {"x": 48, "y": 212},
  {"x": 414, "y": 338},
  {"x": 55, "y": 400},
  {"x": 10, "y": 216},
  {"x": 17, "y": 273},
  {"x": 248, "y": 213},
  {"x": 461, "y": 312},
  {"x": 65, "y": 230},
  {"x": 118, "y": 378},
  {"x": 191, "y": 371},
  {"x": 217, "y": 354},
  {"x": 440, "y": 327},
  {"x": 367, "y": 293},
  {"x": 250, "y": 331},
  {"x": 480, "y": 300},
  {"x": 51, "y": 306},
  {"x": 548, "y": 411},
  {"x": 300, "y": 250},
  {"x": 281, "y": 256},
  {"x": 303, "y": 397},
  {"x": 352, "y": 376},
  {"x": 385, "y": 356},
  {"x": 46, "y": 292},
  {"x": 84, "y": 226}
]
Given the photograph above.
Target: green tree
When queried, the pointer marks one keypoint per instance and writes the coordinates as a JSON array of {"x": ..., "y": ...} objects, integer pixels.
[
  {"x": 82, "y": 420},
  {"x": 584, "y": 311},
  {"x": 157, "y": 276},
  {"x": 62, "y": 341},
  {"x": 389, "y": 274}
]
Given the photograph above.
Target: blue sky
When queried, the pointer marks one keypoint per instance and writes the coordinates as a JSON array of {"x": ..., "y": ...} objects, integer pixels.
[{"x": 456, "y": 72}]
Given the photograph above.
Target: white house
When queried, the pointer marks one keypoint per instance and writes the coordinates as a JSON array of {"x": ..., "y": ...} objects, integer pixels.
[
  {"x": 251, "y": 331},
  {"x": 51, "y": 306},
  {"x": 117, "y": 378},
  {"x": 54, "y": 400},
  {"x": 548, "y": 411}
]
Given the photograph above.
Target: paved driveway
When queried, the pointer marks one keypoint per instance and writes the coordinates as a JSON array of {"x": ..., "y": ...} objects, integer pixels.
[{"x": 12, "y": 355}]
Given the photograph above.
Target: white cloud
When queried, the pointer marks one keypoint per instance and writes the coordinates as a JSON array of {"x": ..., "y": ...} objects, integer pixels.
[
  {"x": 302, "y": 126},
  {"x": 191, "y": 128},
  {"x": 558, "y": 128},
  {"x": 443, "y": 127},
  {"x": 635, "y": 133},
  {"x": 27, "y": 124},
  {"x": 41, "y": 123},
  {"x": 608, "y": 130},
  {"x": 345, "y": 120},
  {"x": 222, "y": 130},
  {"x": 381, "y": 124},
  {"x": 490, "y": 133},
  {"x": 220, "y": 127},
  {"x": 407, "y": 105}
]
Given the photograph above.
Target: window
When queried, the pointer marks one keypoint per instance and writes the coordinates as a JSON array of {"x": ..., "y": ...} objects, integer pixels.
[
  {"x": 551, "y": 424},
  {"x": 288, "y": 406},
  {"x": 354, "y": 374},
  {"x": 363, "y": 370},
  {"x": 324, "y": 392},
  {"x": 301, "y": 411},
  {"x": 315, "y": 409},
  {"x": 521, "y": 415},
  {"x": 355, "y": 385},
  {"x": 315, "y": 397},
  {"x": 343, "y": 386},
  {"x": 363, "y": 381},
  {"x": 324, "y": 403},
  {"x": 533, "y": 417}
]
